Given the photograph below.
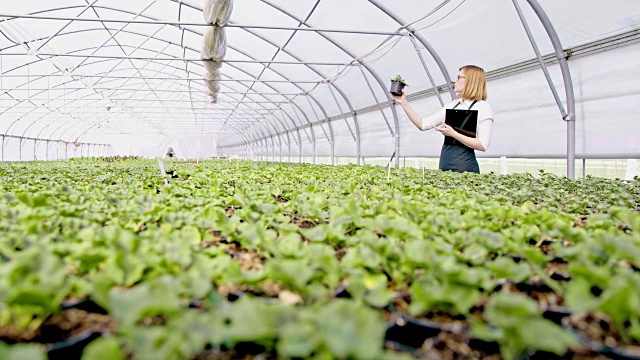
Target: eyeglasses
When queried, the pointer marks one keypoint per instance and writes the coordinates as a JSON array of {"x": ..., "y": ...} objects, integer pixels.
[{"x": 461, "y": 77}]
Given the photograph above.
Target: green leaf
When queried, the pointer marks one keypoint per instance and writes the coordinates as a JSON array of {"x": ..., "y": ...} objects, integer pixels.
[
  {"x": 506, "y": 268},
  {"x": 295, "y": 274},
  {"x": 505, "y": 310},
  {"x": 251, "y": 320},
  {"x": 621, "y": 301},
  {"x": 522, "y": 327},
  {"x": 22, "y": 352},
  {"x": 318, "y": 233},
  {"x": 34, "y": 297},
  {"x": 154, "y": 298},
  {"x": 542, "y": 334},
  {"x": 579, "y": 298},
  {"x": 103, "y": 349},
  {"x": 350, "y": 330},
  {"x": 191, "y": 234},
  {"x": 298, "y": 340}
]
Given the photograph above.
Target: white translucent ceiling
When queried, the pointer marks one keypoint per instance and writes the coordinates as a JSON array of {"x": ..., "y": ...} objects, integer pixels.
[{"x": 141, "y": 78}]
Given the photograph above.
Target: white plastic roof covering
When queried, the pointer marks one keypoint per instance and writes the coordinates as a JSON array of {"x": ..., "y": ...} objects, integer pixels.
[{"x": 138, "y": 86}]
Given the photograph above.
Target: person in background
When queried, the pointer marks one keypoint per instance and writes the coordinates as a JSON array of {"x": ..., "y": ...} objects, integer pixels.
[{"x": 458, "y": 150}]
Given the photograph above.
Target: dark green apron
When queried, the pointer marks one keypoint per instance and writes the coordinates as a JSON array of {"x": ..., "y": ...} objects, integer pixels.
[{"x": 456, "y": 156}]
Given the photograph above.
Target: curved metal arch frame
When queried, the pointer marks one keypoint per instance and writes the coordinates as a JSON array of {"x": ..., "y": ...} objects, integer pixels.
[
  {"x": 350, "y": 54},
  {"x": 96, "y": 124},
  {"x": 241, "y": 84},
  {"x": 297, "y": 130},
  {"x": 51, "y": 111},
  {"x": 346, "y": 98},
  {"x": 560, "y": 55},
  {"x": 109, "y": 118},
  {"x": 315, "y": 100},
  {"x": 550, "y": 31},
  {"x": 422, "y": 40},
  {"x": 288, "y": 137},
  {"x": 88, "y": 64},
  {"x": 267, "y": 66},
  {"x": 58, "y": 98},
  {"x": 238, "y": 68},
  {"x": 238, "y": 50}
]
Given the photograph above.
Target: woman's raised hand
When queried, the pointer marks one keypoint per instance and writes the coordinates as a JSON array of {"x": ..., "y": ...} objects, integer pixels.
[{"x": 401, "y": 100}]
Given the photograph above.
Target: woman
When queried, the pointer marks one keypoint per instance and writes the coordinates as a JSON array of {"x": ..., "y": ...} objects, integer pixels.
[{"x": 458, "y": 150}]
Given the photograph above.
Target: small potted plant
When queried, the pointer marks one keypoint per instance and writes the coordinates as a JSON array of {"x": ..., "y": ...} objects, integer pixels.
[{"x": 397, "y": 85}]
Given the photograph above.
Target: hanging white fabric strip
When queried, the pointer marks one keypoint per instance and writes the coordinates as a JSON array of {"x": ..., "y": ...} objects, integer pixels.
[{"x": 218, "y": 11}]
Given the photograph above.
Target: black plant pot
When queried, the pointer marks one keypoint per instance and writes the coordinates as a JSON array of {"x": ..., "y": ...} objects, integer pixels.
[
  {"x": 72, "y": 348},
  {"x": 410, "y": 333},
  {"x": 396, "y": 88}
]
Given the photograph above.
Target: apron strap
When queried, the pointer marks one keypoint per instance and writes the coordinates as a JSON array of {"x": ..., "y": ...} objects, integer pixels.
[
  {"x": 474, "y": 102},
  {"x": 468, "y": 116},
  {"x": 466, "y": 119}
]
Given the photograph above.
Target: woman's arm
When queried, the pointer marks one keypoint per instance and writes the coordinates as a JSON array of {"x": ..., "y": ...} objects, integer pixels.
[
  {"x": 413, "y": 116},
  {"x": 480, "y": 143},
  {"x": 422, "y": 124}
]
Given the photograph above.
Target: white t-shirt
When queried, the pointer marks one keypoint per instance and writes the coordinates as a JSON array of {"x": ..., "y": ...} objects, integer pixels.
[{"x": 485, "y": 119}]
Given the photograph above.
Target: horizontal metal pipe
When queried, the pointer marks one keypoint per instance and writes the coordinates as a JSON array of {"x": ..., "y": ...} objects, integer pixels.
[
  {"x": 150, "y": 90},
  {"x": 102, "y": 112},
  {"x": 150, "y": 100},
  {"x": 120, "y": 57},
  {"x": 180, "y": 23},
  {"x": 51, "y": 140},
  {"x": 163, "y": 78}
]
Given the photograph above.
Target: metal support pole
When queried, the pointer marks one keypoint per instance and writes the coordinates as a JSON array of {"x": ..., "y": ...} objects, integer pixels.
[
  {"x": 543, "y": 66},
  {"x": 356, "y": 140},
  {"x": 354, "y": 56},
  {"x": 426, "y": 68},
  {"x": 330, "y": 139},
  {"x": 313, "y": 135},
  {"x": 299, "y": 148},
  {"x": 289, "y": 148},
  {"x": 273, "y": 148},
  {"x": 561, "y": 55},
  {"x": 375, "y": 100},
  {"x": 297, "y": 129},
  {"x": 340, "y": 108},
  {"x": 284, "y": 129},
  {"x": 423, "y": 41},
  {"x": 396, "y": 123}
]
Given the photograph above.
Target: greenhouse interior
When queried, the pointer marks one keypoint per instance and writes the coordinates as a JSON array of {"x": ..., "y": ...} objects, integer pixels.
[{"x": 307, "y": 179}]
